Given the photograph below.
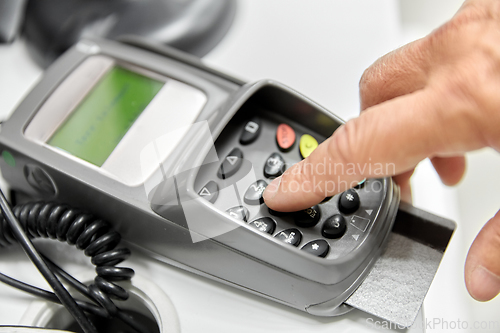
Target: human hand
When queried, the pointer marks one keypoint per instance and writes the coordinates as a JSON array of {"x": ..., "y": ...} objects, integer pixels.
[{"x": 436, "y": 98}]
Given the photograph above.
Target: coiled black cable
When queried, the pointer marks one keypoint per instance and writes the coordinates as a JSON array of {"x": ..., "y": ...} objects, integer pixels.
[{"x": 95, "y": 237}]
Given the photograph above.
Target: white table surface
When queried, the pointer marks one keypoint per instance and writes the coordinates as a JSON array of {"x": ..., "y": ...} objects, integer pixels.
[{"x": 319, "y": 48}]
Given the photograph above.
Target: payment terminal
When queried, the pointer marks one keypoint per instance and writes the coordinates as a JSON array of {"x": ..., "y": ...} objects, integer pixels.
[{"x": 176, "y": 156}]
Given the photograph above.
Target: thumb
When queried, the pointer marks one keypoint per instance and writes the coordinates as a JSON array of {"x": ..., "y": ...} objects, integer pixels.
[
  {"x": 482, "y": 268},
  {"x": 382, "y": 142}
]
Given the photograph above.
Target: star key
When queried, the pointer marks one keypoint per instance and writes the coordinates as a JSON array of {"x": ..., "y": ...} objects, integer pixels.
[{"x": 318, "y": 248}]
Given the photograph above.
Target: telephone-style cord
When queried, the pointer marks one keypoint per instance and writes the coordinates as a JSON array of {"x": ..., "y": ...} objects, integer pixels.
[{"x": 95, "y": 237}]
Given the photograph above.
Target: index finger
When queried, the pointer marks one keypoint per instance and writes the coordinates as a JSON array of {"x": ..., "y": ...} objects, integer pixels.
[{"x": 382, "y": 142}]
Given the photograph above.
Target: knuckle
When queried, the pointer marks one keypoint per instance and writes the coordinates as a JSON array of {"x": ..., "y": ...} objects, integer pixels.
[
  {"x": 473, "y": 10},
  {"x": 467, "y": 75},
  {"x": 368, "y": 77},
  {"x": 366, "y": 84},
  {"x": 470, "y": 88},
  {"x": 375, "y": 77},
  {"x": 397, "y": 73}
]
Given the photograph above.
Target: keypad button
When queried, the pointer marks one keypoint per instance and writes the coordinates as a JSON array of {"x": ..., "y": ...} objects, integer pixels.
[
  {"x": 289, "y": 236},
  {"x": 308, "y": 217},
  {"x": 251, "y": 131},
  {"x": 349, "y": 202},
  {"x": 231, "y": 164},
  {"x": 210, "y": 191},
  {"x": 253, "y": 195},
  {"x": 285, "y": 137},
  {"x": 334, "y": 227},
  {"x": 238, "y": 212},
  {"x": 264, "y": 224},
  {"x": 275, "y": 166},
  {"x": 307, "y": 145},
  {"x": 318, "y": 248}
]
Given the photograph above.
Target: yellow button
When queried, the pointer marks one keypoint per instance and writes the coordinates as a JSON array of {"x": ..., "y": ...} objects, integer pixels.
[{"x": 307, "y": 145}]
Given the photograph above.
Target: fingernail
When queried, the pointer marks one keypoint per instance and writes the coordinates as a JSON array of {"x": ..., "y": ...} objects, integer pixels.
[
  {"x": 484, "y": 285},
  {"x": 272, "y": 189}
]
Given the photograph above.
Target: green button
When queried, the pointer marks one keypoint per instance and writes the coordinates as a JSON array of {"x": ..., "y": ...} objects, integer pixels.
[
  {"x": 8, "y": 158},
  {"x": 307, "y": 145}
]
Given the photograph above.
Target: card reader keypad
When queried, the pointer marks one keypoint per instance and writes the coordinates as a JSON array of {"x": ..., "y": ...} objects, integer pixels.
[{"x": 328, "y": 230}]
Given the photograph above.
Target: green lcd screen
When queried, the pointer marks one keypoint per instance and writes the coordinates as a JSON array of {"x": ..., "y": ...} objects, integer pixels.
[{"x": 99, "y": 122}]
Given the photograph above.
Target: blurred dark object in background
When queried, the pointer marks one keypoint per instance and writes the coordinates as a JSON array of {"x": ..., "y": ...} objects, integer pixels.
[
  {"x": 11, "y": 16},
  {"x": 194, "y": 26}
]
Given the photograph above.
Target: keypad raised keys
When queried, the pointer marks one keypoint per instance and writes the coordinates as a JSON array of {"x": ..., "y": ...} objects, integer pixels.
[
  {"x": 318, "y": 248},
  {"x": 264, "y": 224},
  {"x": 275, "y": 165},
  {"x": 285, "y": 137},
  {"x": 289, "y": 236},
  {"x": 251, "y": 131},
  {"x": 307, "y": 145},
  {"x": 334, "y": 227},
  {"x": 231, "y": 164},
  {"x": 349, "y": 202},
  {"x": 238, "y": 212},
  {"x": 308, "y": 217},
  {"x": 253, "y": 195},
  {"x": 210, "y": 191}
]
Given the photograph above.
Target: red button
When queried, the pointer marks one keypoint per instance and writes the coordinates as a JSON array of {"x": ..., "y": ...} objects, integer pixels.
[{"x": 285, "y": 137}]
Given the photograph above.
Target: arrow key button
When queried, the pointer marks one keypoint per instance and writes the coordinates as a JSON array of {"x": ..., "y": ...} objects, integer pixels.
[
  {"x": 210, "y": 191},
  {"x": 231, "y": 164}
]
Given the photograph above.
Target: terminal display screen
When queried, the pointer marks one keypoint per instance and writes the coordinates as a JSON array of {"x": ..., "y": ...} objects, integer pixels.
[{"x": 96, "y": 126}]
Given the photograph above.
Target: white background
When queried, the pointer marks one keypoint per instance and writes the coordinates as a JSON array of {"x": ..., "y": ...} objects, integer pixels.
[{"x": 319, "y": 48}]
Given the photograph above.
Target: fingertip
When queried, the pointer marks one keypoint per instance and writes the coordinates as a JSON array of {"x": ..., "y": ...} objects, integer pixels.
[
  {"x": 482, "y": 284},
  {"x": 482, "y": 268},
  {"x": 450, "y": 169}
]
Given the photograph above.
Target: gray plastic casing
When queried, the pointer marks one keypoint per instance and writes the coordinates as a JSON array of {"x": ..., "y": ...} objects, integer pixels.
[{"x": 242, "y": 257}]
